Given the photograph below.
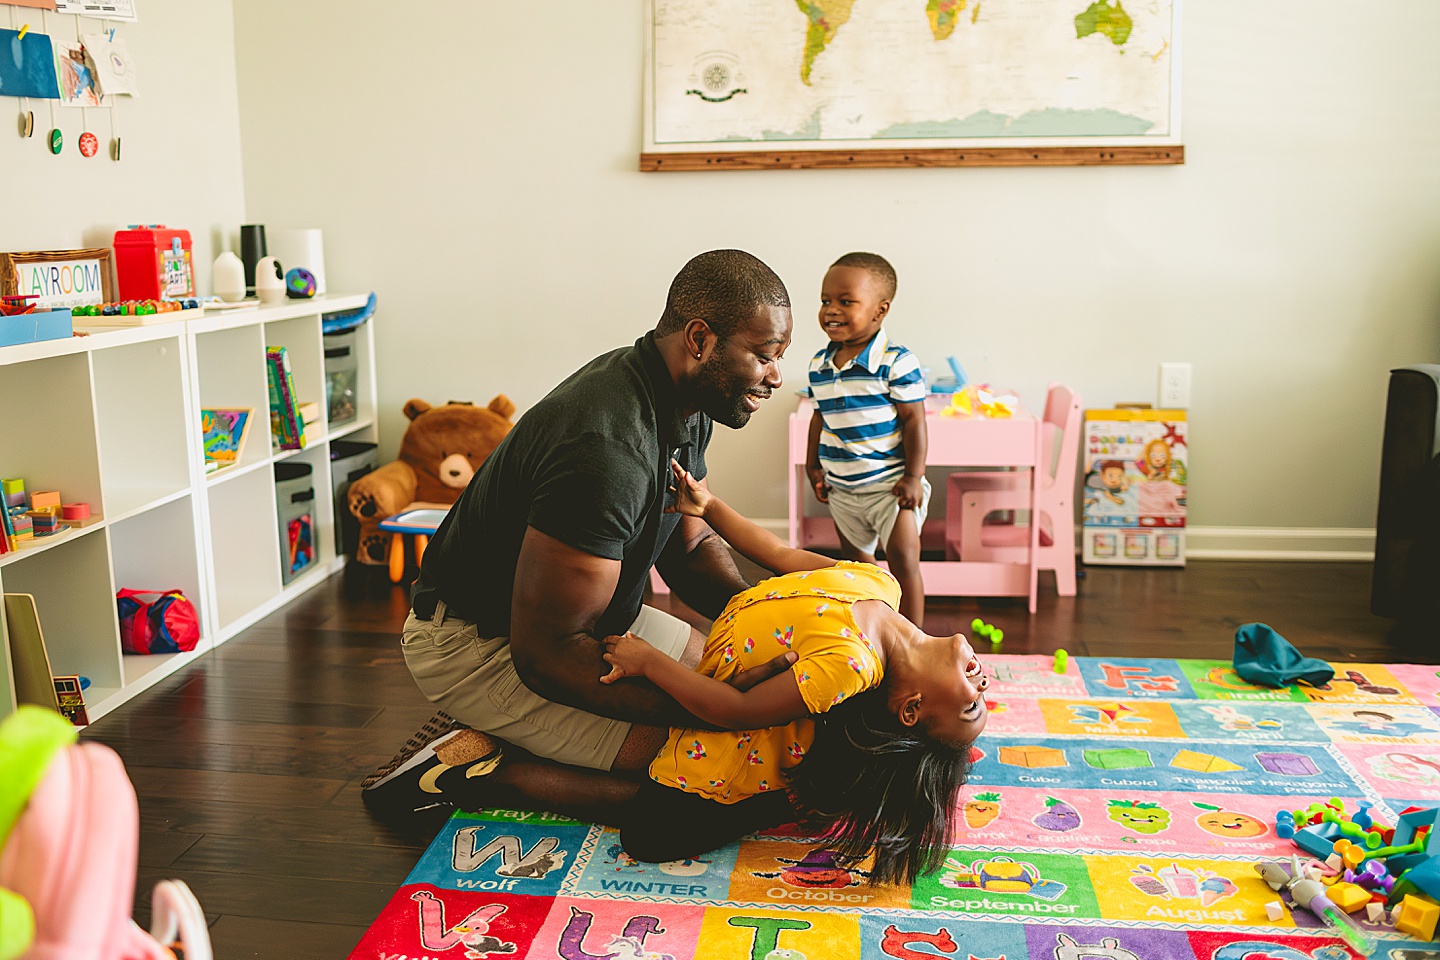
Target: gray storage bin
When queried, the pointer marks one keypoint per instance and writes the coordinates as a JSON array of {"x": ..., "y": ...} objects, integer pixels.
[
  {"x": 295, "y": 497},
  {"x": 342, "y": 377},
  {"x": 349, "y": 461}
]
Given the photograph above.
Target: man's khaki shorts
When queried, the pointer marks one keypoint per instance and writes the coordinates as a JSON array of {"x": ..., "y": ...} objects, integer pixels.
[{"x": 473, "y": 679}]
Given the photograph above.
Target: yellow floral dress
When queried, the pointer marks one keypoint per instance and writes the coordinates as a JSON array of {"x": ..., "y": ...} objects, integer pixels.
[{"x": 808, "y": 612}]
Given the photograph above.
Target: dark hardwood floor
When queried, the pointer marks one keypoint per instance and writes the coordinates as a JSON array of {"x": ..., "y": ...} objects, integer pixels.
[{"x": 248, "y": 762}]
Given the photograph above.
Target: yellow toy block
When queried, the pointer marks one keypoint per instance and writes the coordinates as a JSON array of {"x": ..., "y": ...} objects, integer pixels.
[
  {"x": 1032, "y": 757},
  {"x": 1348, "y": 896},
  {"x": 47, "y": 500},
  {"x": 1203, "y": 762},
  {"x": 1417, "y": 917}
]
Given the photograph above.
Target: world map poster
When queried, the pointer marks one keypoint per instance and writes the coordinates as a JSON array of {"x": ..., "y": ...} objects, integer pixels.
[{"x": 856, "y": 74}]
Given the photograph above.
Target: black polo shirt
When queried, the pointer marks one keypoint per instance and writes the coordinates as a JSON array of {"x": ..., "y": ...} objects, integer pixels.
[{"x": 587, "y": 465}]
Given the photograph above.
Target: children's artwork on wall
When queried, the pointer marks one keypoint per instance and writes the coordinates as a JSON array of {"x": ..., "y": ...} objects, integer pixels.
[
  {"x": 1134, "y": 491},
  {"x": 100, "y": 9},
  {"x": 114, "y": 70},
  {"x": 28, "y": 68},
  {"x": 77, "y": 77},
  {"x": 224, "y": 431},
  {"x": 39, "y": 4}
]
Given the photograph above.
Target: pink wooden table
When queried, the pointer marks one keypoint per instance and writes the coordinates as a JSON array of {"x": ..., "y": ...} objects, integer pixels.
[{"x": 954, "y": 442}]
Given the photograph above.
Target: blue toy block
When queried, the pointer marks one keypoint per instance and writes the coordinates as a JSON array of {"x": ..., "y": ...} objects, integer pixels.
[
  {"x": 1425, "y": 877},
  {"x": 1408, "y": 823},
  {"x": 1318, "y": 840}
]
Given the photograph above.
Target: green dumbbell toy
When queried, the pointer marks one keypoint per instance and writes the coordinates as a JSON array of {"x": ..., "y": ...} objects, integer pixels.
[{"x": 991, "y": 632}]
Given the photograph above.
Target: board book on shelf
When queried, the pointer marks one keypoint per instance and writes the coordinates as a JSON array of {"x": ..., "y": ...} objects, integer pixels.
[
  {"x": 286, "y": 424},
  {"x": 7, "y": 531},
  {"x": 34, "y": 680},
  {"x": 223, "y": 432}
]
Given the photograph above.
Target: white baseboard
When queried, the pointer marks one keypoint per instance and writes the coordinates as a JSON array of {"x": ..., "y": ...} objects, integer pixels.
[
  {"x": 1279, "y": 543},
  {"x": 1243, "y": 543}
]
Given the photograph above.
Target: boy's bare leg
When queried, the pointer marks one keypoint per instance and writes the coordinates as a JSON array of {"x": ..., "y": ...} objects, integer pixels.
[
  {"x": 903, "y": 553},
  {"x": 851, "y": 552}
]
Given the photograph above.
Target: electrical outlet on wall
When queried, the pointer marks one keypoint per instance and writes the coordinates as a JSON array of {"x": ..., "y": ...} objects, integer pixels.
[{"x": 1174, "y": 386}]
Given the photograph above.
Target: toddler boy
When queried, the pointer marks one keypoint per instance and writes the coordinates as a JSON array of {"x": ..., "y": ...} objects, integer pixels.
[{"x": 866, "y": 454}]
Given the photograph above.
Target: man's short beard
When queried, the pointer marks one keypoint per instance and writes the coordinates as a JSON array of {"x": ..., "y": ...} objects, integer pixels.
[{"x": 712, "y": 387}]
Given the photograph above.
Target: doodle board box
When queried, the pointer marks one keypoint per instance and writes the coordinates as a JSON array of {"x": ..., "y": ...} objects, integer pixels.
[
  {"x": 1135, "y": 491},
  {"x": 154, "y": 263}
]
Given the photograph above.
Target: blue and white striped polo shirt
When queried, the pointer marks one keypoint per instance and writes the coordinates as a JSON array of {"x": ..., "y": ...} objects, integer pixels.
[{"x": 861, "y": 442}]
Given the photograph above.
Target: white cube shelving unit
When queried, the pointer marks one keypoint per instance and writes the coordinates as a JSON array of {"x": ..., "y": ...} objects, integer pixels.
[{"x": 113, "y": 419}]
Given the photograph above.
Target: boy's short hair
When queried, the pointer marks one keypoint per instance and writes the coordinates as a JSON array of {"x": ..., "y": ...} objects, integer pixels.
[
  {"x": 876, "y": 265},
  {"x": 722, "y": 287},
  {"x": 1110, "y": 465}
]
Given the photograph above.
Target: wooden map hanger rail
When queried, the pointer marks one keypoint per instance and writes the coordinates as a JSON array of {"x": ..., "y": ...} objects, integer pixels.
[{"x": 958, "y": 157}]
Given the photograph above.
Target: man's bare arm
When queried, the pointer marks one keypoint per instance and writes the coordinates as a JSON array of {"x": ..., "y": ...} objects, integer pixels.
[
  {"x": 560, "y": 593},
  {"x": 698, "y": 567}
]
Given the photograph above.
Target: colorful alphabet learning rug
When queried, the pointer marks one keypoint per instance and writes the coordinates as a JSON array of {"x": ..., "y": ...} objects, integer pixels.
[{"x": 1114, "y": 813}]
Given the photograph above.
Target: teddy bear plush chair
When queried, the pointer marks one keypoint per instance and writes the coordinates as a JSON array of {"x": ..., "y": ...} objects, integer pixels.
[{"x": 441, "y": 450}]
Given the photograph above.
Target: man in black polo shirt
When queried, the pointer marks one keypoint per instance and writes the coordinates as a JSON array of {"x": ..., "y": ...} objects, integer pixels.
[{"x": 551, "y": 544}]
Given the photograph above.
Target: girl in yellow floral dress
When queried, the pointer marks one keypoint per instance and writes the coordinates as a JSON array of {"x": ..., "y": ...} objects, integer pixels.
[{"x": 896, "y": 712}]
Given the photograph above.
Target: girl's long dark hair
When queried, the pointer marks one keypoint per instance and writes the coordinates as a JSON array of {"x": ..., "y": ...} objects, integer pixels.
[{"x": 880, "y": 786}]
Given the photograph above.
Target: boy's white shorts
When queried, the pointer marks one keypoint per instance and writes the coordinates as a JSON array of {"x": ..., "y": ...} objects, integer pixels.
[{"x": 865, "y": 516}]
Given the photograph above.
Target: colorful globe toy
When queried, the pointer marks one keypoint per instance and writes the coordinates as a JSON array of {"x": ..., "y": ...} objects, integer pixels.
[{"x": 299, "y": 284}]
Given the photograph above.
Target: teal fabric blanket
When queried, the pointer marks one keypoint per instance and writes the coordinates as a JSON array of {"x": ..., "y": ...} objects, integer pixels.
[{"x": 1265, "y": 658}]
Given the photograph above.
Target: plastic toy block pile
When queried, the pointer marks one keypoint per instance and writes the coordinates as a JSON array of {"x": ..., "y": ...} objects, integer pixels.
[
  {"x": 1386, "y": 871},
  {"x": 1118, "y": 809}
]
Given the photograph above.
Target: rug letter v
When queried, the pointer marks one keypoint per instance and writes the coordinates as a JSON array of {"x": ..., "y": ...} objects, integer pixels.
[{"x": 434, "y": 936}]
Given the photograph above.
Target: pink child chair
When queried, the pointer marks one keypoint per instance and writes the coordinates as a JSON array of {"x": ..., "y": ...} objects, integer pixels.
[
  {"x": 971, "y": 497},
  {"x": 71, "y": 854}
]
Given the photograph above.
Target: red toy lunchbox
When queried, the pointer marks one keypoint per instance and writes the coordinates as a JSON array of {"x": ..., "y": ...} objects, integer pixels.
[{"x": 154, "y": 263}]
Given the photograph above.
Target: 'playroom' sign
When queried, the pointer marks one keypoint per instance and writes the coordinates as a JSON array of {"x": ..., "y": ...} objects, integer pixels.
[{"x": 62, "y": 284}]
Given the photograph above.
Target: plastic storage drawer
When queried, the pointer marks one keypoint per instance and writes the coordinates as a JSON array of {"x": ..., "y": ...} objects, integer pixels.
[
  {"x": 342, "y": 377},
  {"x": 349, "y": 461}
]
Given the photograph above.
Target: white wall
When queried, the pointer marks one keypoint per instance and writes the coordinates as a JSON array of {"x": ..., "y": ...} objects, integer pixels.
[
  {"x": 478, "y": 169},
  {"x": 180, "y": 163}
]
